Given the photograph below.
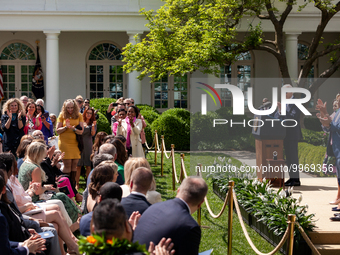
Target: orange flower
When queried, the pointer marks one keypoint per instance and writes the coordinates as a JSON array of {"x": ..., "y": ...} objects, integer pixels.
[
  {"x": 91, "y": 239},
  {"x": 109, "y": 242}
]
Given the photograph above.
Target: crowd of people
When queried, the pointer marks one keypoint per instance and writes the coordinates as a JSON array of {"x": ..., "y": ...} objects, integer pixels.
[
  {"x": 331, "y": 124},
  {"x": 39, "y": 182}
]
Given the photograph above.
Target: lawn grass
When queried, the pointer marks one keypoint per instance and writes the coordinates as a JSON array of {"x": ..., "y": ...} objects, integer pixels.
[{"x": 216, "y": 236}]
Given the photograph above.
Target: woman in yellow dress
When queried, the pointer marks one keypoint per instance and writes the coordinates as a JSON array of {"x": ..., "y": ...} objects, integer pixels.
[{"x": 69, "y": 118}]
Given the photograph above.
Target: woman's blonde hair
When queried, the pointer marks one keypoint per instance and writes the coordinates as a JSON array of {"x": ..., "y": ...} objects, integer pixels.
[
  {"x": 64, "y": 113},
  {"x": 36, "y": 152},
  {"x": 110, "y": 163},
  {"x": 131, "y": 164},
  {"x": 6, "y": 107}
]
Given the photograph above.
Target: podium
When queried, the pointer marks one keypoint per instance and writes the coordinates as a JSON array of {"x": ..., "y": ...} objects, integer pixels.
[{"x": 269, "y": 139}]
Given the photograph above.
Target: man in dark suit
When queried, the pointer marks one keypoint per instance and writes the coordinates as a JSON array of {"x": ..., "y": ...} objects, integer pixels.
[
  {"x": 290, "y": 143},
  {"x": 172, "y": 219},
  {"x": 140, "y": 183}
]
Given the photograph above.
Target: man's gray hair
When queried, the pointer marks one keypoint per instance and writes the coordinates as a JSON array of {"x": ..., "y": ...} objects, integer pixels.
[
  {"x": 108, "y": 148},
  {"x": 97, "y": 159},
  {"x": 40, "y": 102}
]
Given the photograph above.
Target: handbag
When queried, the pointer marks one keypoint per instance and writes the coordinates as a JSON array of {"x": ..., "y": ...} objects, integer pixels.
[{"x": 64, "y": 186}]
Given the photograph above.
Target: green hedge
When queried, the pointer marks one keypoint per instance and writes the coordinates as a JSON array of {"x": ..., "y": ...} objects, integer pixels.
[
  {"x": 103, "y": 124},
  {"x": 146, "y": 107},
  {"x": 314, "y": 137},
  {"x": 312, "y": 123},
  {"x": 311, "y": 155},
  {"x": 149, "y": 136},
  {"x": 221, "y": 137},
  {"x": 227, "y": 113},
  {"x": 203, "y": 135},
  {"x": 180, "y": 113},
  {"x": 149, "y": 115},
  {"x": 175, "y": 131},
  {"x": 101, "y": 104}
]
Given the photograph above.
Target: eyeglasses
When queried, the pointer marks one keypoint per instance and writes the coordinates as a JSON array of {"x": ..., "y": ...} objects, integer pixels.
[
  {"x": 86, "y": 102},
  {"x": 127, "y": 103},
  {"x": 79, "y": 101}
]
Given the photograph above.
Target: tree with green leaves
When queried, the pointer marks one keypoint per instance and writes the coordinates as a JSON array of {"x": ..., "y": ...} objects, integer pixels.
[{"x": 190, "y": 35}]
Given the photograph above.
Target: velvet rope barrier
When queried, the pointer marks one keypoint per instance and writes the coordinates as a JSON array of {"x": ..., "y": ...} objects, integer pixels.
[{"x": 276, "y": 249}]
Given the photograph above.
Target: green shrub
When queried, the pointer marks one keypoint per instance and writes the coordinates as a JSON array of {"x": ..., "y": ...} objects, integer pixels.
[
  {"x": 311, "y": 155},
  {"x": 149, "y": 136},
  {"x": 204, "y": 136},
  {"x": 175, "y": 131},
  {"x": 227, "y": 113},
  {"x": 146, "y": 107},
  {"x": 314, "y": 137},
  {"x": 312, "y": 123},
  {"x": 149, "y": 115},
  {"x": 103, "y": 124},
  {"x": 101, "y": 104},
  {"x": 180, "y": 113}
]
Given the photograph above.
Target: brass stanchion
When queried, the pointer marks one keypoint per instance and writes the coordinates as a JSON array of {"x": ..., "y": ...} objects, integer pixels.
[
  {"x": 173, "y": 167},
  {"x": 155, "y": 147},
  {"x": 200, "y": 169},
  {"x": 181, "y": 176},
  {"x": 162, "y": 154},
  {"x": 230, "y": 216},
  {"x": 291, "y": 225}
]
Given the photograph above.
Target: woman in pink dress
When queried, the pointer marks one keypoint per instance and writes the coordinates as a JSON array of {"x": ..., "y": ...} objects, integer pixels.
[{"x": 33, "y": 120}]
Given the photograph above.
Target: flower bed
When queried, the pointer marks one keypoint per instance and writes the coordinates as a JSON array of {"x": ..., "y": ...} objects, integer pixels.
[{"x": 264, "y": 209}]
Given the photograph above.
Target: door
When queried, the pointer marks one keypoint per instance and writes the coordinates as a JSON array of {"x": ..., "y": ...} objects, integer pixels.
[{"x": 171, "y": 92}]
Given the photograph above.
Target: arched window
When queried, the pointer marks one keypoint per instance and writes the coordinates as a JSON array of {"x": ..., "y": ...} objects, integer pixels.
[
  {"x": 17, "y": 65},
  {"x": 238, "y": 73},
  {"x": 303, "y": 49},
  {"x": 105, "y": 76}
]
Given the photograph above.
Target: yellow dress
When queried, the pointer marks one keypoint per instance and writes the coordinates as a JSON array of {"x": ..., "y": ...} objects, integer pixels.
[{"x": 67, "y": 140}]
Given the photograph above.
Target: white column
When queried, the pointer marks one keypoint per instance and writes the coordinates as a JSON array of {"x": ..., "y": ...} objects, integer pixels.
[
  {"x": 292, "y": 54},
  {"x": 134, "y": 88},
  {"x": 52, "y": 71}
]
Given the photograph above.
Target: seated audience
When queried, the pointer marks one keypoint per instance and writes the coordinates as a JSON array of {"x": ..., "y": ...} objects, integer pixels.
[
  {"x": 132, "y": 164},
  {"x": 108, "y": 190},
  {"x": 96, "y": 161},
  {"x": 101, "y": 175},
  {"x": 172, "y": 218},
  {"x": 108, "y": 148},
  {"x": 31, "y": 245},
  {"x": 141, "y": 180},
  {"x": 31, "y": 172},
  {"x": 51, "y": 215},
  {"x": 110, "y": 217},
  {"x": 21, "y": 229},
  {"x": 121, "y": 157}
]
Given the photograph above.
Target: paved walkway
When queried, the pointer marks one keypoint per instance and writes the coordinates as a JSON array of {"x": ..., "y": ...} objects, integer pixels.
[{"x": 317, "y": 192}]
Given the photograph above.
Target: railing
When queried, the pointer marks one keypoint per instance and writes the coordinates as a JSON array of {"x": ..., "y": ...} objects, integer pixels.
[{"x": 230, "y": 200}]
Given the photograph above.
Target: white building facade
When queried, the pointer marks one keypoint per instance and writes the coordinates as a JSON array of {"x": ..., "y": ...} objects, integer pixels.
[{"x": 80, "y": 42}]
